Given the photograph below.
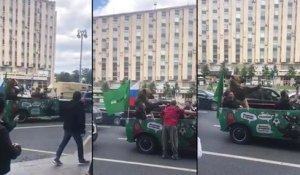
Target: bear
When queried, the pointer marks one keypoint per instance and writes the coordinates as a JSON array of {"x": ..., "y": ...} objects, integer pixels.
[{"x": 240, "y": 92}]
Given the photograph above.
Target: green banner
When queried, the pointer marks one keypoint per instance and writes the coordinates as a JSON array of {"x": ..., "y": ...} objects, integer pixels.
[{"x": 117, "y": 100}]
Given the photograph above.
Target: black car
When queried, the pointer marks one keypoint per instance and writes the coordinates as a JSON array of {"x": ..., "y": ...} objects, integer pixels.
[
  {"x": 87, "y": 99},
  {"x": 264, "y": 98},
  {"x": 113, "y": 119},
  {"x": 206, "y": 101}
]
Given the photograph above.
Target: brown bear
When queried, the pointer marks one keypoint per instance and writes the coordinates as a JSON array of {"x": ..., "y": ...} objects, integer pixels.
[{"x": 240, "y": 92}]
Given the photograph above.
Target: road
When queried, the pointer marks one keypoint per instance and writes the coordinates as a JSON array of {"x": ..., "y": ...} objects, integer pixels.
[
  {"x": 41, "y": 138},
  {"x": 261, "y": 156},
  {"x": 113, "y": 155}
]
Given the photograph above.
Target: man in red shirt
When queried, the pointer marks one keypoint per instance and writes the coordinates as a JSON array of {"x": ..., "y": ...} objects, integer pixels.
[{"x": 170, "y": 118}]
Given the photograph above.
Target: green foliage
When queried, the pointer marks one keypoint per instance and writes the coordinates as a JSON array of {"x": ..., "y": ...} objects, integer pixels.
[
  {"x": 291, "y": 72},
  {"x": 205, "y": 70},
  {"x": 244, "y": 72}
]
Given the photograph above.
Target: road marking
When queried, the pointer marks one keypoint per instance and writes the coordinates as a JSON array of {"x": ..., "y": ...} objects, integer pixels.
[
  {"x": 32, "y": 127},
  {"x": 145, "y": 164},
  {"x": 103, "y": 126},
  {"x": 122, "y": 138},
  {"x": 43, "y": 126},
  {"x": 203, "y": 112},
  {"x": 218, "y": 126},
  {"x": 42, "y": 151},
  {"x": 253, "y": 159}
]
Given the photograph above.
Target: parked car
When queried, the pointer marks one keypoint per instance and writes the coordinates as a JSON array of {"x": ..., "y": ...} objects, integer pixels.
[
  {"x": 87, "y": 99},
  {"x": 206, "y": 100},
  {"x": 264, "y": 98},
  {"x": 97, "y": 115},
  {"x": 114, "y": 119}
]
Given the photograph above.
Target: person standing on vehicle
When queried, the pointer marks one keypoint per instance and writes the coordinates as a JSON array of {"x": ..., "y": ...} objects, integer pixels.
[
  {"x": 284, "y": 102},
  {"x": 74, "y": 126},
  {"x": 140, "y": 112},
  {"x": 8, "y": 150},
  {"x": 229, "y": 100},
  {"x": 170, "y": 117}
]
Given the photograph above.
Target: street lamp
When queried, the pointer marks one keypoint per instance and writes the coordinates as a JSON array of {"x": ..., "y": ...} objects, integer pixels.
[{"x": 81, "y": 34}]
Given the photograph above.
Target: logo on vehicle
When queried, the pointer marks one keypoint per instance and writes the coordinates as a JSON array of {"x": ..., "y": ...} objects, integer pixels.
[
  {"x": 248, "y": 116},
  {"x": 155, "y": 126}
]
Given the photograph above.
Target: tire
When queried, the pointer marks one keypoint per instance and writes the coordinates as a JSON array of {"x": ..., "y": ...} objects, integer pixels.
[
  {"x": 117, "y": 121},
  {"x": 146, "y": 144},
  {"x": 214, "y": 106},
  {"x": 22, "y": 115},
  {"x": 240, "y": 134}
]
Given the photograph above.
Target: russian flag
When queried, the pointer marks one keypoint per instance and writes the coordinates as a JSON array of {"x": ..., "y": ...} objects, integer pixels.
[{"x": 134, "y": 90}]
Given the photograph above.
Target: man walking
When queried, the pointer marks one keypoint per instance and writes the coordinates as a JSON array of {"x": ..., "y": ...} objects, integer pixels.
[
  {"x": 74, "y": 126},
  {"x": 170, "y": 118}
]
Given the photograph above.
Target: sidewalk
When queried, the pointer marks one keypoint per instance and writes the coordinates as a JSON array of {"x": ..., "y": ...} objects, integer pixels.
[{"x": 46, "y": 167}]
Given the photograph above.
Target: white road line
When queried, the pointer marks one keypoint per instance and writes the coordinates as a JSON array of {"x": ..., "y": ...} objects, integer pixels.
[
  {"x": 42, "y": 151},
  {"x": 203, "y": 112},
  {"x": 218, "y": 126},
  {"x": 122, "y": 138},
  {"x": 146, "y": 164},
  {"x": 103, "y": 126},
  {"x": 253, "y": 159},
  {"x": 43, "y": 126},
  {"x": 33, "y": 127}
]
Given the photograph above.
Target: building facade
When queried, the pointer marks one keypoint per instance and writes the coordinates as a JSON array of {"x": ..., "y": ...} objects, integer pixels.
[
  {"x": 156, "y": 45},
  {"x": 244, "y": 32},
  {"x": 27, "y": 35}
]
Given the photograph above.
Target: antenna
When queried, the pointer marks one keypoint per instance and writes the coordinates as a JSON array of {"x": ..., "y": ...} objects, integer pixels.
[{"x": 155, "y": 3}]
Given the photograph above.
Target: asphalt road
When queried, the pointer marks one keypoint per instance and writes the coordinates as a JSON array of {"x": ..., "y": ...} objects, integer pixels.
[
  {"x": 261, "y": 156},
  {"x": 41, "y": 138},
  {"x": 113, "y": 155}
]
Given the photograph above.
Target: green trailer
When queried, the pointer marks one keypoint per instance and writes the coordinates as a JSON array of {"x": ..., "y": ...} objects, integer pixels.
[
  {"x": 147, "y": 134},
  {"x": 242, "y": 124}
]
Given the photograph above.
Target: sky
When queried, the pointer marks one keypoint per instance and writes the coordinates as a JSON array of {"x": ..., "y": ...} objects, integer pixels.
[
  {"x": 106, "y": 7},
  {"x": 71, "y": 16}
]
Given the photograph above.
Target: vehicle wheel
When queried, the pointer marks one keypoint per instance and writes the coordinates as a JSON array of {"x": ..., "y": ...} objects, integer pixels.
[
  {"x": 117, "y": 121},
  {"x": 214, "y": 106},
  {"x": 239, "y": 134},
  {"x": 95, "y": 133},
  {"x": 22, "y": 116},
  {"x": 146, "y": 144}
]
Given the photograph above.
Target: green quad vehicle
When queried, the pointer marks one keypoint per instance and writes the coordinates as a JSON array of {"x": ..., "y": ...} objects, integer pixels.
[
  {"x": 243, "y": 124},
  {"x": 147, "y": 134},
  {"x": 33, "y": 108}
]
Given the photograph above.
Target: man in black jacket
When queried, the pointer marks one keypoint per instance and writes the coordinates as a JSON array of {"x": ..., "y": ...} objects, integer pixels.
[
  {"x": 8, "y": 150},
  {"x": 74, "y": 126}
]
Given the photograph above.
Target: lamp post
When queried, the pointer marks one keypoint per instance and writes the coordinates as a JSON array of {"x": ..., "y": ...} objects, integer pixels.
[{"x": 81, "y": 34}]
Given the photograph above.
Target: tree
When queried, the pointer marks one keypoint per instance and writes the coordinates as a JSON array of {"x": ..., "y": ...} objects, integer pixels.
[
  {"x": 167, "y": 90},
  {"x": 224, "y": 69},
  {"x": 244, "y": 72},
  {"x": 291, "y": 72},
  {"x": 251, "y": 72},
  {"x": 193, "y": 90},
  {"x": 152, "y": 87},
  {"x": 105, "y": 86},
  {"x": 145, "y": 85},
  {"x": 237, "y": 71},
  {"x": 75, "y": 76},
  {"x": 64, "y": 77},
  {"x": 205, "y": 70},
  {"x": 266, "y": 72},
  {"x": 87, "y": 74}
]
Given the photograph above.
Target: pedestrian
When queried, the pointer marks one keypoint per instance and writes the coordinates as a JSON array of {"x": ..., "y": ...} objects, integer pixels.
[
  {"x": 170, "y": 117},
  {"x": 74, "y": 126},
  {"x": 8, "y": 150}
]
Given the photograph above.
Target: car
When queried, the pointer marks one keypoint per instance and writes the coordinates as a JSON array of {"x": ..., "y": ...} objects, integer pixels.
[
  {"x": 113, "y": 119},
  {"x": 147, "y": 134},
  {"x": 97, "y": 115},
  {"x": 87, "y": 100},
  {"x": 206, "y": 100},
  {"x": 264, "y": 98},
  {"x": 243, "y": 124}
]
